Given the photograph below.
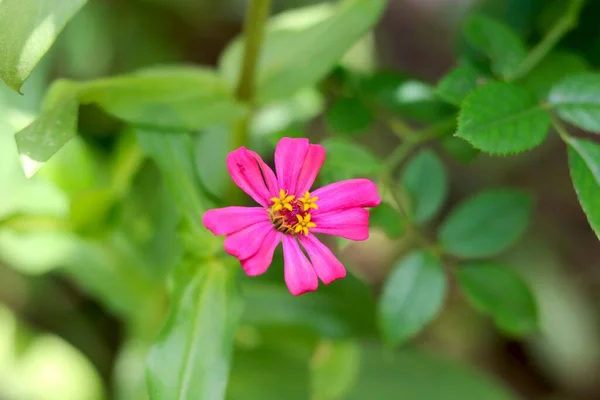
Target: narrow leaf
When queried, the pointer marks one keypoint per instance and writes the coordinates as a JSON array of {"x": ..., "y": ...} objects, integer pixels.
[
  {"x": 412, "y": 296},
  {"x": 53, "y": 128},
  {"x": 27, "y": 30},
  {"x": 584, "y": 164},
  {"x": 486, "y": 224},
  {"x": 322, "y": 34},
  {"x": 500, "y": 292},
  {"x": 192, "y": 355},
  {"x": 501, "y": 118},
  {"x": 576, "y": 99}
]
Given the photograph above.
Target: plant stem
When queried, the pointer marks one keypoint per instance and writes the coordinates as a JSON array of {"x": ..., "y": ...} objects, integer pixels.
[
  {"x": 561, "y": 130},
  {"x": 565, "y": 24}
]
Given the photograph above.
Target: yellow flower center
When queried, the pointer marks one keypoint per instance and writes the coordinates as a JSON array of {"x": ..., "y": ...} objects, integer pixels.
[
  {"x": 284, "y": 201},
  {"x": 292, "y": 215},
  {"x": 303, "y": 224},
  {"x": 309, "y": 202}
]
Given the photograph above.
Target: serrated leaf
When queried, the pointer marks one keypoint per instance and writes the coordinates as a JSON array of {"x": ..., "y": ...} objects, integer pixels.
[
  {"x": 388, "y": 219},
  {"x": 576, "y": 99},
  {"x": 173, "y": 98},
  {"x": 53, "y": 128},
  {"x": 553, "y": 68},
  {"x": 424, "y": 179},
  {"x": 501, "y": 293},
  {"x": 322, "y": 34},
  {"x": 27, "y": 30},
  {"x": 500, "y": 43},
  {"x": 334, "y": 369},
  {"x": 412, "y": 296},
  {"x": 486, "y": 224},
  {"x": 500, "y": 118},
  {"x": 346, "y": 160},
  {"x": 456, "y": 85},
  {"x": 584, "y": 164},
  {"x": 349, "y": 116},
  {"x": 191, "y": 356}
]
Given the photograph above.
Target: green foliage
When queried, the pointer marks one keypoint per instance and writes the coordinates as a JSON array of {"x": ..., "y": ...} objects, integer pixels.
[
  {"x": 496, "y": 40},
  {"x": 334, "y": 369},
  {"x": 576, "y": 99},
  {"x": 412, "y": 296},
  {"x": 388, "y": 219},
  {"x": 346, "y": 160},
  {"x": 191, "y": 356},
  {"x": 551, "y": 70},
  {"x": 322, "y": 34},
  {"x": 349, "y": 116},
  {"x": 456, "y": 85},
  {"x": 501, "y": 118},
  {"x": 424, "y": 179},
  {"x": 500, "y": 292},
  {"x": 584, "y": 164},
  {"x": 27, "y": 30},
  {"x": 486, "y": 224}
]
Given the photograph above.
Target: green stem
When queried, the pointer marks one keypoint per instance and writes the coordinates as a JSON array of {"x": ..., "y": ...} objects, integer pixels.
[
  {"x": 561, "y": 130},
  {"x": 565, "y": 24}
]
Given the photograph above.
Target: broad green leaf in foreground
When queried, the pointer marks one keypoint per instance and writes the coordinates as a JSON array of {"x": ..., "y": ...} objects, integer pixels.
[
  {"x": 503, "y": 294},
  {"x": 412, "y": 296},
  {"x": 426, "y": 182},
  {"x": 322, "y": 34},
  {"x": 504, "y": 48},
  {"x": 501, "y": 118},
  {"x": 27, "y": 30},
  {"x": 334, "y": 369},
  {"x": 486, "y": 224},
  {"x": 576, "y": 99},
  {"x": 191, "y": 356},
  {"x": 54, "y": 127},
  {"x": 173, "y": 98},
  {"x": 551, "y": 70},
  {"x": 584, "y": 164}
]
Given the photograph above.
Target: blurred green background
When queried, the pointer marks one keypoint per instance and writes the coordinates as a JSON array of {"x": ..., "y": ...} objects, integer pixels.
[{"x": 86, "y": 244}]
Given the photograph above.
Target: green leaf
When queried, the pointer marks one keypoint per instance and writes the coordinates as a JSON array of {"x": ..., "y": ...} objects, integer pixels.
[
  {"x": 322, "y": 34},
  {"x": 55, "y": 126},
  {"x": 349, "y": 116},
  {"x": 551, "y": 70},
  {"x": 576, "y": 99},
  {"x": 496, "y": 40},
  {"x": 501, "y": 293},
  {"x": 425, "y": 180},
  {"x": 421, "y": 375},
  {"x": 334, "y": 369},
  {"x": 486, "y": 224},
  {"x": 192, "y": 354},
  {"x": 346, "y": 160},
  {"x": 168, "y": 98},
  {"x": 458, "y": 83},
  {"x": 412, "y": 296},
  {"x": 27, "y": 30},
  {"x": 584, "y": 164},
  {"x": 501, "y": 118},
  {"x": 388, "y": 219},
  {"x": 461, "y": 150}
]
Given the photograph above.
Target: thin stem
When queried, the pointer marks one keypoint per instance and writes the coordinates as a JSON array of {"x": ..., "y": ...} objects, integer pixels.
[
  {"x": 565, "y": 24},
  {"x": 561, "y": 130}
]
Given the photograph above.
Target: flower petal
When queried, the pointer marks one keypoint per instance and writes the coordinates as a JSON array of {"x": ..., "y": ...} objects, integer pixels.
[
  {"x": 289, "y": 159},
  {"x": 247, "y": 170},
  {"x": 346, "y": 194},
  {"x": 260, "y": 262},
  {"x": 299, "y": 274},
  {"x": 326, "y": 265},
  {"x": 351, "y": 224},
  {"x": 246, "y": 242},
  {"x": 225, "y": 221},
  {"x": 312, "y": 164}
]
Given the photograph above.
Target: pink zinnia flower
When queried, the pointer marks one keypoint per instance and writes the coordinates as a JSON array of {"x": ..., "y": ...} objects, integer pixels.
[{"x": 289, "y": 212}]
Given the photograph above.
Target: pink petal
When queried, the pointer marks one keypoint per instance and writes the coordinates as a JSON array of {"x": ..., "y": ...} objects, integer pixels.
[
  {"x": 312, "y": 164},
  {"x": 289, "y": 158},
  {"x": 347, "y": 194},
  {"x": 260, "y": 262},
  {"x": 326, "y": 265},
  {"x": 225, "y": 221},
  {"x": 247, "y": 169},
  {"x": 351, "y": 224},
  {"x": 299, "y": 274},
  {"x": 246, "y": 242}
]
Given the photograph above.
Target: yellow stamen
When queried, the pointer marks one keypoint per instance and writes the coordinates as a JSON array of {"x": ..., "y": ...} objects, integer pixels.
[
  {"x": 309, "y": 202},
  {"x": 303, "y": 224},
  {"x": 283, "y": 201}
]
